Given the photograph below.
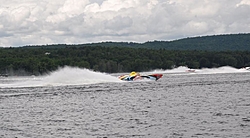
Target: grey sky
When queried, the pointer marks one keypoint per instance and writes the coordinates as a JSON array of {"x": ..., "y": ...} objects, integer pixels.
[{"x": 33, "y": 22}]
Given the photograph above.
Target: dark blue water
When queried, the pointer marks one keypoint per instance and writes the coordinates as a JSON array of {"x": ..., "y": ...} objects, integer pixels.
[{"x": 180, "y": 105}]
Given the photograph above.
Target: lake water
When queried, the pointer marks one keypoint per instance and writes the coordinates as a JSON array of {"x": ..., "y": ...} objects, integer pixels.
[{"x": 80, "y": 103}]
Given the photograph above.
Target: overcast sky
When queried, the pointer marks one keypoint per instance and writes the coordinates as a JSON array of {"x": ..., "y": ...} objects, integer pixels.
[{"x": 32, "y": 22}]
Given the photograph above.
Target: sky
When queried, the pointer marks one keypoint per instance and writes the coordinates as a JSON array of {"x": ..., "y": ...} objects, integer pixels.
[{"x": 41, "y": 22}]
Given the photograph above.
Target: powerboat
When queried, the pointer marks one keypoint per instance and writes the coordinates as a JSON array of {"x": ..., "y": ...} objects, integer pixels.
[{"x": 133, "y": 76}]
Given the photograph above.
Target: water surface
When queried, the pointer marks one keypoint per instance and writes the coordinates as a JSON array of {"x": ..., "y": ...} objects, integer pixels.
[{"x": 180, "y": 105}]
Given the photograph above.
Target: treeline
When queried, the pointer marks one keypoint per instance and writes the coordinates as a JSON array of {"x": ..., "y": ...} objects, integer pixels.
[
  {"x": 230, "y": 42},
  {"x": 39, "y": 60}
]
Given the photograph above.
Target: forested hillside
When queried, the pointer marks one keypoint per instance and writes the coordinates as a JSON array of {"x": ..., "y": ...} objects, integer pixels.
[
  {"x": 39, "y": 60},
  {"x": 210, "y": 43},
  {"x": 231, "y": 42},
  {"x": 198, "y": 52}
]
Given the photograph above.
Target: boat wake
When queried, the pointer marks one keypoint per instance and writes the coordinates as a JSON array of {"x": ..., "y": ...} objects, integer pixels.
[
  {"x": 62, "y": 77},
  {"x": 186, "y": 70},
  {"x": 77, "y": 76}
]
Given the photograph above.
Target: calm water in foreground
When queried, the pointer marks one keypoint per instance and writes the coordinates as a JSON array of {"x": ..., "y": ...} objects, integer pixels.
[{"x": 176, "y": 106}]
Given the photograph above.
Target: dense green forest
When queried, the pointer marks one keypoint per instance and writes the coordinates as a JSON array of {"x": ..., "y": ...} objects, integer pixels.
[
  {"x": 230, "y": 42},
  {"x": 198, "y": 52},
  {"x": 43, "y": 59}
]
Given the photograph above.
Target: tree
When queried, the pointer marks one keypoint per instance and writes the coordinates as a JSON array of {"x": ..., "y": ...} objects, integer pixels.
[{"x": 204, "y": 62}]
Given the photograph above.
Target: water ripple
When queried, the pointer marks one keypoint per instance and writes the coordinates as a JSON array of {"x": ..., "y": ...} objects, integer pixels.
[{"x": 207, "y": 105}]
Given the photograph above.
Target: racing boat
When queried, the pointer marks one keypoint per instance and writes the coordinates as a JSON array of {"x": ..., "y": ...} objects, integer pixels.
[
  {"x": 190, "y": 70},
  {"x": 136, "y": 76}
]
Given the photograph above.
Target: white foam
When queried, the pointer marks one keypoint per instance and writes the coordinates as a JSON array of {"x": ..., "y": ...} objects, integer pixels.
[
  {"x": 78, "y": 76},
  {"x": 61, "y": 77},
  {"x": 185, "y": 70}
]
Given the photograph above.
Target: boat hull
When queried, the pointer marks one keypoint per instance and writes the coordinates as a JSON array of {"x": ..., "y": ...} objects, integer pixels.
[{"x": 134, "y": 78}]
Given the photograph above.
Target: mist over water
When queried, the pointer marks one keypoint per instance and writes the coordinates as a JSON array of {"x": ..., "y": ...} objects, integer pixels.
[
  {"x": 77, "y": 76},
  {"x": 183, "y": 69},
  {"x": 74, "y": 102},
  {"x": 62, "y": 77}
]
